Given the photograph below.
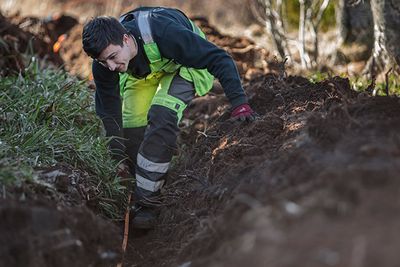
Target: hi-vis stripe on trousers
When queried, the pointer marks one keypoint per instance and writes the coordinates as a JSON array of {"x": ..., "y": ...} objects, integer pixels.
[
  {"x": 159, "y": 141},
  {"x": 150, "y": 167},
  {"x": 148, "y": 185}
]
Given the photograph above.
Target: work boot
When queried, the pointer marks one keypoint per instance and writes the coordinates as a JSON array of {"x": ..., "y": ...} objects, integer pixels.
[{"x": 143, "y": 217}]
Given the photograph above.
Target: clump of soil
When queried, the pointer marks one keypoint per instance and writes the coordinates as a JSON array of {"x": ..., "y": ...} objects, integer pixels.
[
  {"x": 18, "y": 40},
  {"x": 39, "y": 234},
  {"x": 47, "y": 222}
]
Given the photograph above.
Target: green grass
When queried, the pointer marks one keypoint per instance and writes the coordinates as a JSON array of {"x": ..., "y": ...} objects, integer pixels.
[
  {"x": 318, "y": 76},
  {"x": 47, "y": 118}
]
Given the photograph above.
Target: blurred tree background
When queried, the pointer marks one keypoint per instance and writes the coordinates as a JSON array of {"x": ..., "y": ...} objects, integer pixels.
[
  {"x": 365, "y": 31},
  {"x": 306, "y": 32}
]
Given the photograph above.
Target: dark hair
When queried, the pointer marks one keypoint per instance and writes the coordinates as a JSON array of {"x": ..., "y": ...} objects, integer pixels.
[{"x": 99, "y": 33}]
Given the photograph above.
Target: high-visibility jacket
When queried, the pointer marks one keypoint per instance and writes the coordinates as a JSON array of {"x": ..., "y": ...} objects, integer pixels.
[
  {"x": 201, "y": 78},
  {"x": 158, "y": 66},
  {"x": 177, "y": 42}
]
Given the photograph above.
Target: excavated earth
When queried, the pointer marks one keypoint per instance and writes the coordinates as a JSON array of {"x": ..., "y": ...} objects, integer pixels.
[
  {"x": 312, "y": 182},
  {"x": 22, "y": 37}
]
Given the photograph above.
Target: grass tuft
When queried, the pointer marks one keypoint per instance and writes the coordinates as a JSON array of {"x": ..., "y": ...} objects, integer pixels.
[{"x": 47, "y": 118}]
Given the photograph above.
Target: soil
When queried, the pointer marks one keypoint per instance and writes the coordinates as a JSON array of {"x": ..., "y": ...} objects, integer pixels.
[
  {"x": 22, "y": 37},
  {"x": 52, "y": 221},
  {"x": 40, "y": 234},
  {"x": 312, "y": 182}
]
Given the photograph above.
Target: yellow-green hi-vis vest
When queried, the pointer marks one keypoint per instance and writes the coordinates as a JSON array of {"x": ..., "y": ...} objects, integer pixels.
[{"x": 201, "y": 78}]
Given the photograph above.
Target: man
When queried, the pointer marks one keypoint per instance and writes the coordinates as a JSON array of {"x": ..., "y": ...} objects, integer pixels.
[{"x": 147, "y": 67}]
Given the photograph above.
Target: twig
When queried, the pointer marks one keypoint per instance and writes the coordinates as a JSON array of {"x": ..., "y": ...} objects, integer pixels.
[
  {"x": 354, "y": 2},
  {"x": 126, "y": 226},
  {"x": 207, "y": 136},
  {"x": 387, "y": 81},
  {"x": 67, "y": 243},
  {"x": 126, "y": 231},
  {"x": 243, "y": 50}
]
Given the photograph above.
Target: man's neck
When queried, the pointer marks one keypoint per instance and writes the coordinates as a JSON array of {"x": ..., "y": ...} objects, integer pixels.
[{"x": 133, "y": 45}]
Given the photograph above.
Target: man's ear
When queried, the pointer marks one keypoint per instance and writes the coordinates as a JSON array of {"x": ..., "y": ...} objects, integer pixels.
[{"x": 125, "y": 38}]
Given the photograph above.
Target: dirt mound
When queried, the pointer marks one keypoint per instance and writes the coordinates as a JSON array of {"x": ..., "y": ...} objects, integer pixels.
[
  {"x": 47, "y": 222},
  {"x": 37, "y": 234},
  {"x": 312, "y": 181},
  {"x": 17, "y": 40},
  {"x": 49, "y": 28},
  {"x": 250, "y": 59},
  {"x": 319, "y": 198},
  {"x": 63, "y": 36},
  {"x": 77, "y": 62}
]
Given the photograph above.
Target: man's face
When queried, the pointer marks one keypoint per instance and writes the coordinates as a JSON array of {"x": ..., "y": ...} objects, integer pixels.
[{"x": 116, "y": 57}]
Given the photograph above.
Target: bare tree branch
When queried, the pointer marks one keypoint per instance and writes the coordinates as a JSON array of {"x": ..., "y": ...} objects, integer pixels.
[
  {"x": 314, "y": 29},
  {"x": 275, "y": 29},
  {"x": 301, "y": 38},
  {"x": 321, "y": 12},
  {"x": 271, "y": 12}
]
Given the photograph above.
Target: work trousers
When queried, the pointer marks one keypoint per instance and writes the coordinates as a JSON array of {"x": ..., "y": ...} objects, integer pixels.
[{"x": 152, "y": 110}]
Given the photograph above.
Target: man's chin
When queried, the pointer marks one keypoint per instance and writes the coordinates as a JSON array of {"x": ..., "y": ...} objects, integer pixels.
[{"x": 123, "y": 69}]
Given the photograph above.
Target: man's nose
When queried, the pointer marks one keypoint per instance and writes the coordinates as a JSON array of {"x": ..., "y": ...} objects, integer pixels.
[{"x": 111, "y": 65}]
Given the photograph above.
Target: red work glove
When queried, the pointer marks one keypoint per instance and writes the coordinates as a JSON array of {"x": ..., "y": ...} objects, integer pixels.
[
  {"x": 125, "y": 177},
  {"x": 244, "y": 112},
  {"x": 123, "y": 171}
]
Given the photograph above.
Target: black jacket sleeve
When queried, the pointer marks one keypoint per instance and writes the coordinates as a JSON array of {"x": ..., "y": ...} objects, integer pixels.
[
  {"x": 181, "y": 44},
  {"x": 108, "y": 107}
]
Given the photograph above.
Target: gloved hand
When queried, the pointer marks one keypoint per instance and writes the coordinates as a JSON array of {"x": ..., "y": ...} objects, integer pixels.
[
  {"x": 123, "y": 170},
  {"x": 244, "y": 112}
]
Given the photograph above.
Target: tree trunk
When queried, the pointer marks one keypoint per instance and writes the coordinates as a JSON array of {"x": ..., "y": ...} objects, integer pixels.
[
  {"x": 355, "y": 23},
  {"x": 355, "y": 27},
  {"x": 386, "y": 52}
]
